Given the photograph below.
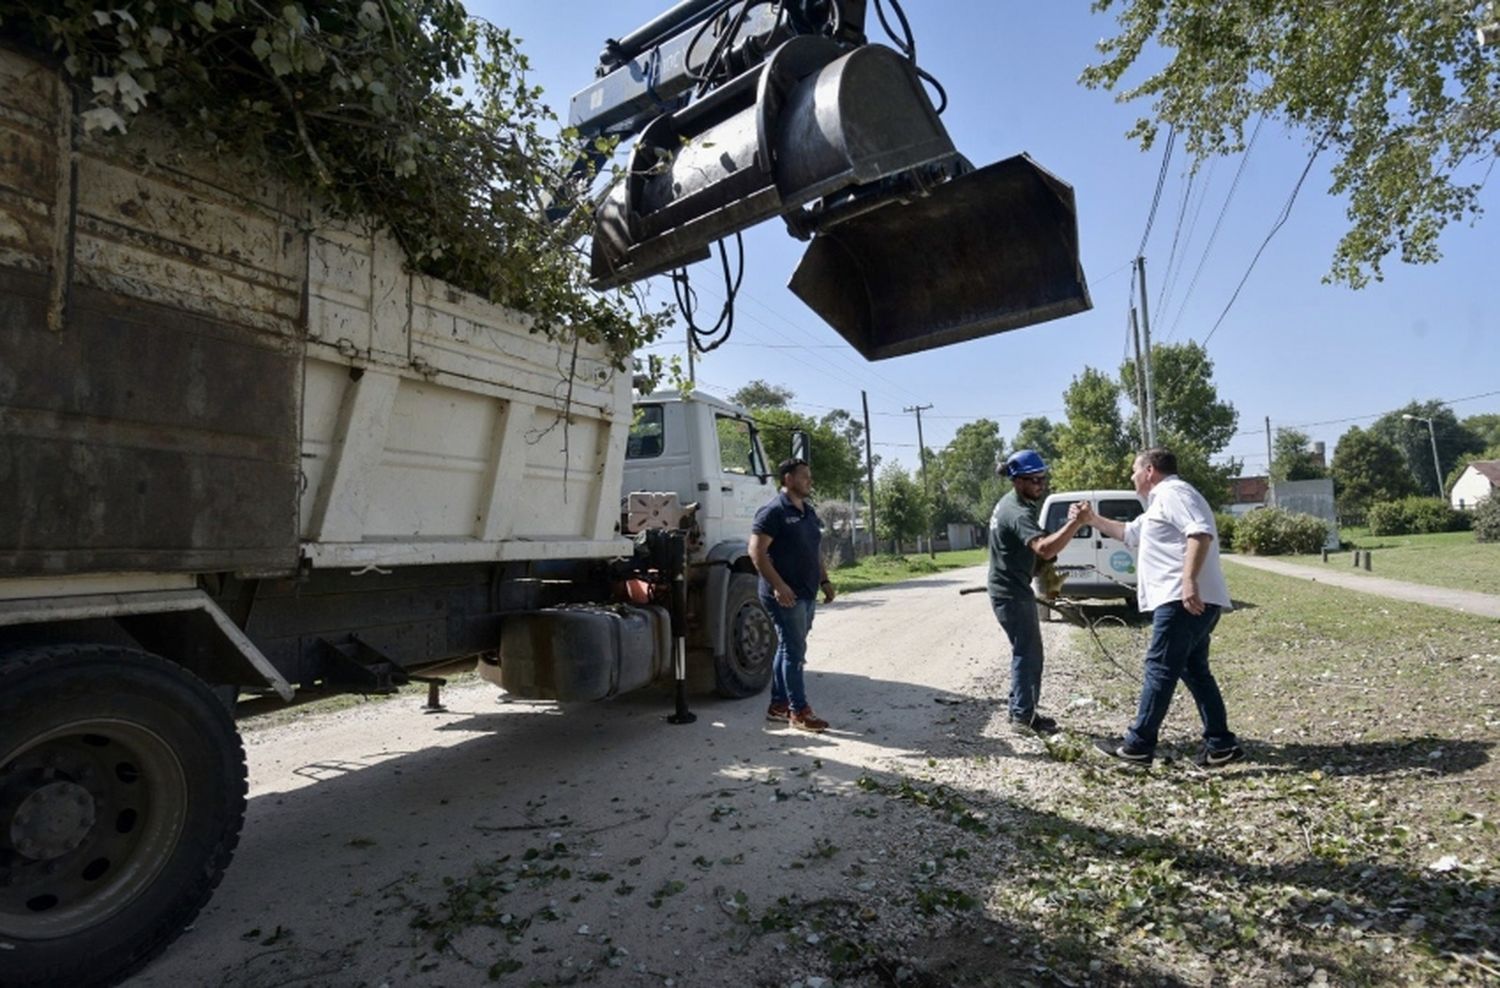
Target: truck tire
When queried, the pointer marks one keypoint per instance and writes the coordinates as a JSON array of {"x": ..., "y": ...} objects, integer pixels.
[
  {"x": 122, "y": 793},
  {"x": 749, "y": 642}
]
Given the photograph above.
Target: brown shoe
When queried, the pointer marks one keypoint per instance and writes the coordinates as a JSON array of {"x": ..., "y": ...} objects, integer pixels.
[
  {"x": 778, "y": 712},
  {"x": 806, "y": 720}
]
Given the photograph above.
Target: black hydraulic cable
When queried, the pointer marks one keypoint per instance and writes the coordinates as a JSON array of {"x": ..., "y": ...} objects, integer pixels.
[{"x": 687, "y": 301}]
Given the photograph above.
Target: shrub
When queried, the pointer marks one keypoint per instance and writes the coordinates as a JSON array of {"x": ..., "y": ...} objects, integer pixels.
[
  {"x": 1486, "y": 519},
  {"x": 1276, "y": 532},
  {"x": 1415, "y": 516},
  {"x": 1225, "y": 521}
]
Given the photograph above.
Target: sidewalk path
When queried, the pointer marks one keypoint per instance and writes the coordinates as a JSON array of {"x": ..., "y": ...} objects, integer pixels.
[{"x": 1467, "y": 601}]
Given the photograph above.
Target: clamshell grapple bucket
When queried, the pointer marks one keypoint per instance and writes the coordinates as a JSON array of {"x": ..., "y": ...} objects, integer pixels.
[
  {"x": 911, "y": 248},
  {"x": 987, "y": 251}
]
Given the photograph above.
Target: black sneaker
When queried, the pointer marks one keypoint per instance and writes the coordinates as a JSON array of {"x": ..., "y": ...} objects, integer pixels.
[
  {"x": 1036, "y": 723},
  {"x": 1121, "y": 751},
  {"x": 1219, "y": 757}
]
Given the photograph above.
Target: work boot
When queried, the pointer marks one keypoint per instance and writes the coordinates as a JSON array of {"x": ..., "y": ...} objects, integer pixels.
[{"x": 806, "y": 720}]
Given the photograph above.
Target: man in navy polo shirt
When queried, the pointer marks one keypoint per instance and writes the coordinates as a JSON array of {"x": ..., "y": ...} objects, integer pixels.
[{"x": 784, "y": 541}]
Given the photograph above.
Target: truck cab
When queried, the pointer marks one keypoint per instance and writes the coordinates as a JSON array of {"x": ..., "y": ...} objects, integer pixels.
[
  {"x": 694, "y": 462},
  {"x": 706, "y": 451}
]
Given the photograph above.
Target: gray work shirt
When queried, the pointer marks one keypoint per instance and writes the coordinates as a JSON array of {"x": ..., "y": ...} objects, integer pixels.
[{"x": 1013, "y": 524}]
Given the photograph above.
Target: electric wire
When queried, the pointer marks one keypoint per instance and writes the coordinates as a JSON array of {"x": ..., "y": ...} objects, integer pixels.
[
  {"x": 1286, "y": 212},
  {"x": 1166, "y": 273},
  {"x": 1161, "y": 180},
  {"x": 1174, "y": 272},
  {"x": 1218, "y": 223}
]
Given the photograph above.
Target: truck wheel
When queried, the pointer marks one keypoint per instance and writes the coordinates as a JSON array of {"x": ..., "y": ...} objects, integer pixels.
[
  {"x": 122, "y": 793},
  {"x": 750, "y": 645}
]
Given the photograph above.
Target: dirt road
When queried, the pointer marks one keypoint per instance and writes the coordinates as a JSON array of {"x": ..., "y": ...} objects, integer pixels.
[{"x": 533, "y": 844}]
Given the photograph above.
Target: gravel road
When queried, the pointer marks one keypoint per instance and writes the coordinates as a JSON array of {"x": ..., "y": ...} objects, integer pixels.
[{"x": 534, "y": 844}]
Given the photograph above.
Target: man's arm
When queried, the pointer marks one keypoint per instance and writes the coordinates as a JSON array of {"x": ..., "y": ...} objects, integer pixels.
[
  {"x": 1192, "y": 565},
  {"x": 760, "y": 558},
  {"x": 1048, "y": 546},
  {"x": 1111, "y": 528},
  {"x": 824, "y": 583}
]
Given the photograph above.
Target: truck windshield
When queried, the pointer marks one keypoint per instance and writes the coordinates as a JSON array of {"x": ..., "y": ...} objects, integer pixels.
[{"x": 646, "y": 433}]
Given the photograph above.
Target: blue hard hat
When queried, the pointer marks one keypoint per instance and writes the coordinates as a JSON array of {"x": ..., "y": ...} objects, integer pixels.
[{"x": 1023, "y": 462}]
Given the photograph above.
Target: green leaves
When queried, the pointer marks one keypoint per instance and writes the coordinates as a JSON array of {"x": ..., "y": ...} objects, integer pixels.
[
  {"x": 356, "y": 100},
  {"x": 1401, "y": 90}
]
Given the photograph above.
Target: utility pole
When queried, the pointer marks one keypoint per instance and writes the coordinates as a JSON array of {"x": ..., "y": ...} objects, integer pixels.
[
  {"x": 1269, "y": 482},
  {"x": 692, "y": 369},
  {"x": 1140, "y": 267},
  {"x": 870, "y": 467},
  {"x": 1140, "y": 376},
  {"x": 922, "y": 455}
]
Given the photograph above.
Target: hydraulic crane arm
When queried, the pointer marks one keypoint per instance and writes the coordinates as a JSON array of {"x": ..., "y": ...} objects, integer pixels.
[{"x": 753, "y": 109}]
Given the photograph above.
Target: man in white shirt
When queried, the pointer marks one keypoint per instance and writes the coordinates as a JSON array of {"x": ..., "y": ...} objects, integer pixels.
[{"x": 1181, "y": 584}]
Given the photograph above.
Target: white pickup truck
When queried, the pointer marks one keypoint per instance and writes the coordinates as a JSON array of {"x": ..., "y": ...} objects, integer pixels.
[{"x": 244, "y": 450}]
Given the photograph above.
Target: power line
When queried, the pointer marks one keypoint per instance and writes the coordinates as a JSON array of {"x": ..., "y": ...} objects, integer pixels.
[
  {"x": 1218, "y": 222},
  {"x": 1286, "y": 212},
  {"x": 1166, "y": 273},
  {"x": 1161, "y": 180},
  {"x": 1169, "y": 284},
  {"x": 1361, "y": 418}
]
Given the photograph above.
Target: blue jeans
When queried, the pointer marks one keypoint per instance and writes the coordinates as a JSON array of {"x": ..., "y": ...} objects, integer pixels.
[
  {"x": 1179, "y": 650},
  {"x": 792, "y": 625},
  {"x": 1017, "y": 615}
]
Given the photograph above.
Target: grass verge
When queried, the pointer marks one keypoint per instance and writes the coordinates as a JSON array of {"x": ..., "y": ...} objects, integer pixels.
[
  {"x": 1446, "y": 559},
  {"x": 877, "y": 571}
]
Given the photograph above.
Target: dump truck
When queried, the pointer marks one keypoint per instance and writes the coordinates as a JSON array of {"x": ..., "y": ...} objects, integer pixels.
[{"x": 246, "y": 449}]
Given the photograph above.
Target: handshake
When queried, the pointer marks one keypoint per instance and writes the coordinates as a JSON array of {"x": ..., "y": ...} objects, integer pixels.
[{"x": 1081, "y": 511}]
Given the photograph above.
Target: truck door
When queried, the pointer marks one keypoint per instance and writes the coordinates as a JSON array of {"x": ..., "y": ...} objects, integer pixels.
[{"x": 743, "y": 476}]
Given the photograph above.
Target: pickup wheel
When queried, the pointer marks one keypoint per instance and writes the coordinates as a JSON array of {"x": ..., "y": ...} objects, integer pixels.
[
  {"x": 750, "y": 643},
  {"x": 122, "y": 793}
]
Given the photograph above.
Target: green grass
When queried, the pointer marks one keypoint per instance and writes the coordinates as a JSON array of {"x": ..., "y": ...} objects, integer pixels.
[
  {"x": 1447, "y": 559},
  {"x": 877, "y": 571},
  {"x": 1372, "y": 727}
]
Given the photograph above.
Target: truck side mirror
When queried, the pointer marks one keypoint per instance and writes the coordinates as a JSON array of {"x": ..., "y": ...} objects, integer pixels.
[{"x": 801, "y": 447}]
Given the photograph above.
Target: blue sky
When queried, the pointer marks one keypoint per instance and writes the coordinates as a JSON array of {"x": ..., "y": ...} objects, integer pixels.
[{"x": 1309, "y": 355}]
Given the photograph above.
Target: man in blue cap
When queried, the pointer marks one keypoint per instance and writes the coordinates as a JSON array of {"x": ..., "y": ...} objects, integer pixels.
[{"x": 1016, "y": 543}]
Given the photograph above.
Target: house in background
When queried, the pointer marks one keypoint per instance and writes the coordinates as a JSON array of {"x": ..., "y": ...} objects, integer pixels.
[
  {"x": 1478, "y": 481},
  {"x": 1248, "y": 493}
]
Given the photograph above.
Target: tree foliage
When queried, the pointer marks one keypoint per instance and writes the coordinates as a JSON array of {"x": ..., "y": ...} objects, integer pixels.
[
  {"x": 1400, "y": 90},
  {"x": 1191, "y": 419},
  {"x": 1368, "y": 468},
  {"x": 1414, "y": 441},
  {"x": 1486, "y": 428},
  {"x": 1092, "y": 449},
  {"x": 759, "y": 394},
  {"x": 1415, "y": 516},
  {"x": 1487, "y": 519},
  {"x": 836, "y": 466},
  {"x": 964, "y": 483},
  {"x": 901, "y": 507},
  {"x": 1188, "y": 407},
  {"x": 1277, "y": 531},
  {"x": 1037, "y": 433},
  {"x": 361, "y": 103},
  {"x": 1291, "y": 459}
]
